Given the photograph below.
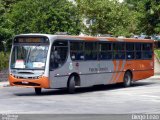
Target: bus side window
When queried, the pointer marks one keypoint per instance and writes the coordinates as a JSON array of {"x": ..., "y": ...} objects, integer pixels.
[
  {"x": 76, "y": 51},
  {"x": 119, "y": 50},
  {"x": 138, "y": 50},
  {"x": 130, "y": 51},
  {"x": 91, "y": 51},
  {"x": 147, "y": 51},
  {"x": 105, "y": 51},
  {"x": 59, "y": 54}
]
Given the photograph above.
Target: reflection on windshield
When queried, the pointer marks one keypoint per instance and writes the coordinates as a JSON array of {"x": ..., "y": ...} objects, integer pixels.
[{"x": 29, "y": 57}]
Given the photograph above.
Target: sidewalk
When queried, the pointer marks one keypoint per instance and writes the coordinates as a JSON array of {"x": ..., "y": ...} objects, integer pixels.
[
  {"x": 156, "y": 66},
  {"x": 4, "y": 84}
]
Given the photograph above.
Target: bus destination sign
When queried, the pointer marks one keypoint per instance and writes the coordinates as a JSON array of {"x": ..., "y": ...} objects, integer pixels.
[{"x": 31, "y": 40}]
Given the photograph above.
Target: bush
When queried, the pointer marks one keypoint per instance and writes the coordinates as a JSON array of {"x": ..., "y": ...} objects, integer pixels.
[{"x": 4, "y": 60}]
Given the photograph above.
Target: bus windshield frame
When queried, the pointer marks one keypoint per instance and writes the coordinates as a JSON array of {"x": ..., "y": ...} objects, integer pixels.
[{"x": 29, "y": 55}]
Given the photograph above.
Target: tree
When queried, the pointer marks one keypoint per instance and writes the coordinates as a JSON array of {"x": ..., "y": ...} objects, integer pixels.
[
  {"x": 5, "y": 33},
  {"x": 151, "y": 21},
  {"x": 45, "y": 16},
  {"x": 149, "y": 15},
  {"x": 136, "y": 7},
  {"x": 108, "y": 16}
]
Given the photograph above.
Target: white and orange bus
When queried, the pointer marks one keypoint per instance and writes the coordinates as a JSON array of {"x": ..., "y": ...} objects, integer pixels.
[{"x": 62, "y": 61}]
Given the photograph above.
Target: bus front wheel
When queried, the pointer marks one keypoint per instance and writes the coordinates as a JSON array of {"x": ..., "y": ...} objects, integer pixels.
[
  {"x": 38, "y": 91},
  {"x": 127, "y": 80},
  {"x": 71, "y": 85}
]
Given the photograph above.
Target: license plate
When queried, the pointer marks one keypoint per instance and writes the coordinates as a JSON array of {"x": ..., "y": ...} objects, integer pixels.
[{"x": 25, "y": 82}]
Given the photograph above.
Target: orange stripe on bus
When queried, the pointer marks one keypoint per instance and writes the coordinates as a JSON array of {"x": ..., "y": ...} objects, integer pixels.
[
  {"x": 119, "y": 69},
  {"x": 113, "y": 74},
  {"x": 121, "y": 76},
  {"x": 112, "y": 39}
]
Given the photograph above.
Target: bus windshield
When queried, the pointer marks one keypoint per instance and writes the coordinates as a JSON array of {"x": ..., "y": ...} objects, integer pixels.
[{"x": 29, "y": 57}]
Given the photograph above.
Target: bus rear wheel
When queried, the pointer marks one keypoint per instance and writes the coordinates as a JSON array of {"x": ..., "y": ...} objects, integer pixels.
[
  {"x": 71, "y": 85},
  {"x": 127, "y": 80},
  {"x": 38, "y": 91}
]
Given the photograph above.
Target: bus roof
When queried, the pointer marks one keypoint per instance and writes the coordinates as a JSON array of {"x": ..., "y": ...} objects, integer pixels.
[{"x": 86, "y": 38}]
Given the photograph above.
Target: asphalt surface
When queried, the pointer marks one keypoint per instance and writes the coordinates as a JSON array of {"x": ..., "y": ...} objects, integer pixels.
[
  {"x": 142, "y": 97},
  {"x": 109, "y": 102}
]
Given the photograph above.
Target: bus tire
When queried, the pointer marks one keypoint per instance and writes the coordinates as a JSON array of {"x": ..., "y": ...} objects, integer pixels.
[
  {"x": 127, "y": 80},
  {"x": 71, "y": 85},
  {"x": 38, "y": 91}
]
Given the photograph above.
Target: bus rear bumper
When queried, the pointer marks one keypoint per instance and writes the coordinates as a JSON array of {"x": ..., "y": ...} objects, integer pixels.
[{"x": 42, "y": 82}]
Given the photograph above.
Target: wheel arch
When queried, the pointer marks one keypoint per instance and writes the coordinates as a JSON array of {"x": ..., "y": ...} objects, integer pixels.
[
  {"x": 130, "y": 71},
  {"x": 77, "y": 78}
]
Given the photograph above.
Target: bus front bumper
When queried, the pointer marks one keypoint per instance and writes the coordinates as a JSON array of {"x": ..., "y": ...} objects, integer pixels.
[{"x": 42, "y": 82}]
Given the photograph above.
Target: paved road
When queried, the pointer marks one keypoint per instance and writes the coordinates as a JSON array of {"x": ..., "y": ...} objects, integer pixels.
[{"x": 143, "y": 97}]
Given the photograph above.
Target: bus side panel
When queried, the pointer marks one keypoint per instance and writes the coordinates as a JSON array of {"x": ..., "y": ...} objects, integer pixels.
[
  {"x": 118, "y": 72},
  {"x": 59, "y": 82},
  {"x": 141, "y": 69},
  {"x": 138, "y": 75},
  {"x": 95, "y": 79},
  {"x": 59, "y": 77},
  {"x": 91, "y": 73},
  {"x": 95, "y": 72},
  {"x": 101, "y": 72}
]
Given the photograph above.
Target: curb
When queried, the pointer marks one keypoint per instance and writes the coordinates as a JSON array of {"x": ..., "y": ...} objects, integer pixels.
[{"x": 4, "y": 84}]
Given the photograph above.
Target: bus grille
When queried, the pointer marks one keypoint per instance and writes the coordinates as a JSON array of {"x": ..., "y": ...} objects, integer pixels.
[
  {"x": 28, "y": 84},
  {"x": 26, "y": 77}
]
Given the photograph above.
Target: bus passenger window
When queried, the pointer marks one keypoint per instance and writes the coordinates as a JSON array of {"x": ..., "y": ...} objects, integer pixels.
[
  {"x": 119, "y": 55},
  {"x": 130, "y": 51},
  {"x": 105, "y": 51},
  {"x": 76, "y": 51},
  {"x": 147, "y": 46},
  {"x": 119, "y": 50},
  {"x": 138, "y": 50},
  {"x": 147, "y": 55},
  {"x": 59, "y": 54},
  {"x": 90, "y": 51},
  {"x": 129, "y": 46},
  {"x": 130, "y": 55},
  {"x": 138, "y": 55},
  {"x": 147, "y": 51}
]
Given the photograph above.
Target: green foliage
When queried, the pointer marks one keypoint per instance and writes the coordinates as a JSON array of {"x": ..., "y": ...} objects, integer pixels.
[
  {"x": 157, "y": 52},
  {"x": 4, "y": 60},
  {"x": 5, "y": 32},
  {"x": 35, "y": 16},
  {"x": 44, "y": 16},
  {"x": 149, "y": 19},
  {"x": 136, "y": 7},
  {"x": 109, "y": 16}
]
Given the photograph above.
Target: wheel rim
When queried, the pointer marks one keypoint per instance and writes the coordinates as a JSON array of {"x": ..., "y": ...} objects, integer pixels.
[{"x": 127, "y": 79}]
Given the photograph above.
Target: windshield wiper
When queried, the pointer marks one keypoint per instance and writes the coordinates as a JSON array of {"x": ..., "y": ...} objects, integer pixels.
[{"x": 28, "y": 54}]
